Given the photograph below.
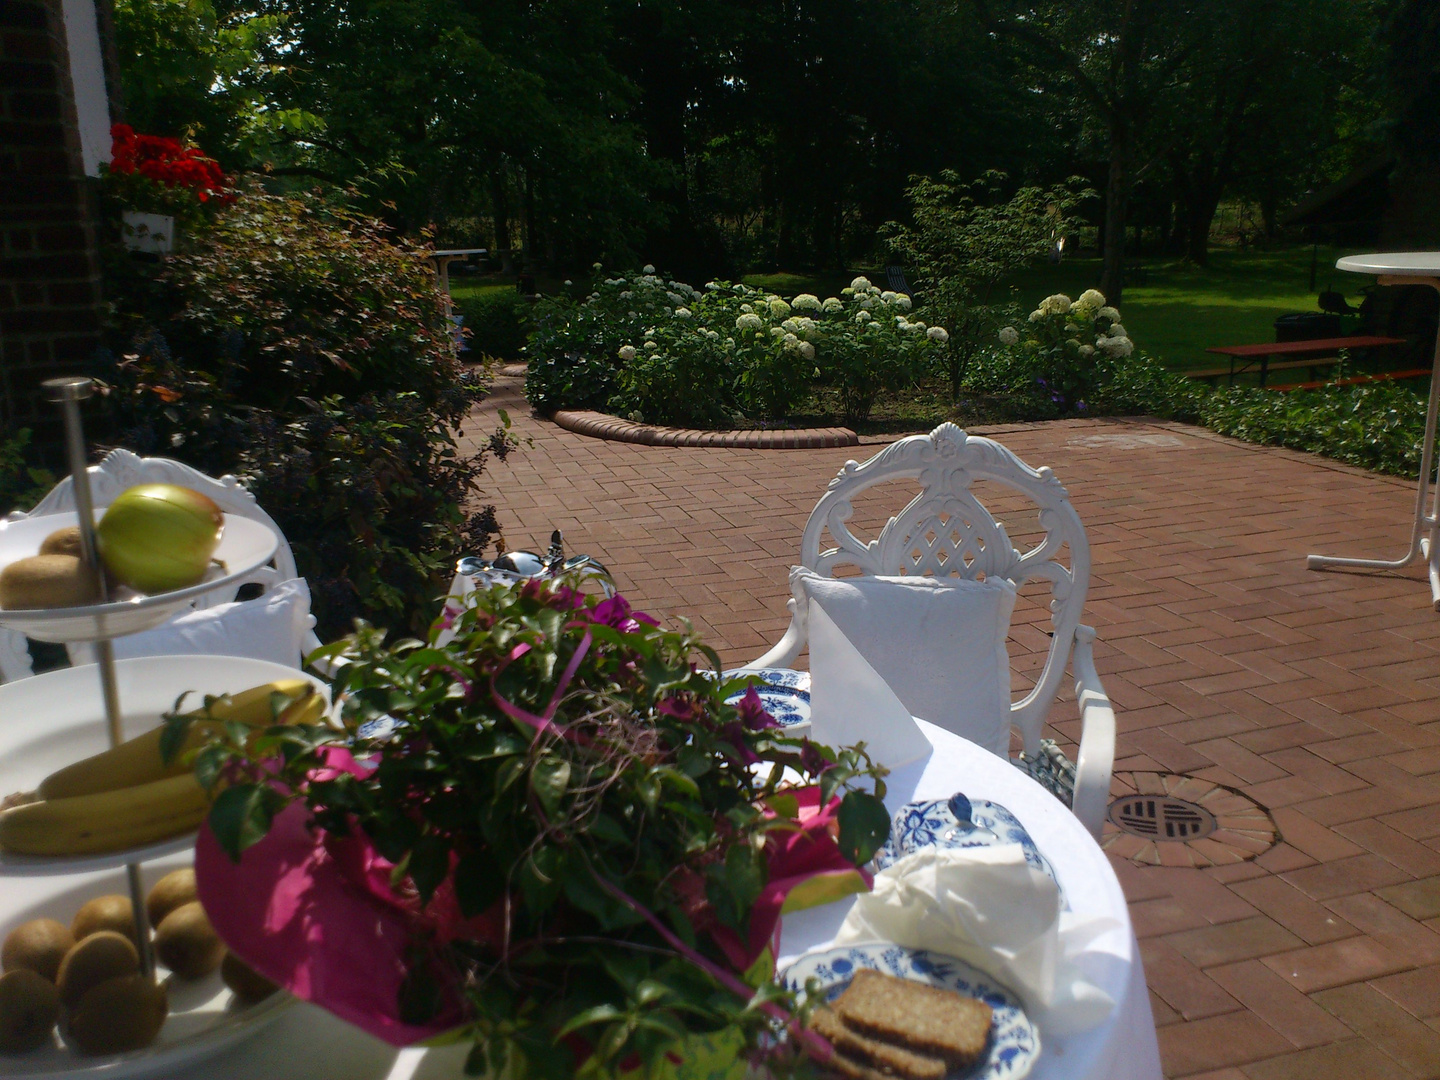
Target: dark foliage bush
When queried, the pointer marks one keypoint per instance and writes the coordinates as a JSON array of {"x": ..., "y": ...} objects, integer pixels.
[
  {"x": 23, "y": 482},
  {"x": 497, "y": 322},
  {"x": 1376, "y": 427},
  {"x": 302, "y": 348}
]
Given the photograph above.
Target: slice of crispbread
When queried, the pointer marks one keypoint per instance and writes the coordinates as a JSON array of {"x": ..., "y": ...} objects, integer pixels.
[
  {"x": 887, "y": 1058},
  {"x": 926, "y": 1019},
  {"x": 841, "y": 1066}
]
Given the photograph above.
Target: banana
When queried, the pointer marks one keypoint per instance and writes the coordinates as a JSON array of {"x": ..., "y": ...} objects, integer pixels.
[
  {"x": 107, "y": 820},
  {"x": 137, "y": 761}
]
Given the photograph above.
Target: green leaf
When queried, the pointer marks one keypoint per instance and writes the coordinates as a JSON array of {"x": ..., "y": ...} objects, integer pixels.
[
  {"x": 429, "y": 863},
  {"x": 549, "y": 779},
  {"x": 599, "y": 1014},
  {"x": 864, "y": 826},
  {"x": 172, "y": 739},
  {"x": 479, "y": 882},
  {"x": 241, "y": 817}
]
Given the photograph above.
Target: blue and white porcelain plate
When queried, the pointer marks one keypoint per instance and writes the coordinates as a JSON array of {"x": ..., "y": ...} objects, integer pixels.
[
  {"x": 785, "y": 693},
  {"x": 935, "y": 822},
  {"x": 1014, "y": 1045}
]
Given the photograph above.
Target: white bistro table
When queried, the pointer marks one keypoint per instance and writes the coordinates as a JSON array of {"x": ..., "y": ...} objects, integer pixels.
[
  {"x": 308, "y": 1044},
  {"x": 1408, "y": 268}
]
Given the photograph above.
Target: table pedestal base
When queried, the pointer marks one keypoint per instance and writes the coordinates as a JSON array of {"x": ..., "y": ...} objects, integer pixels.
[{"x": 1425, "y": 536}]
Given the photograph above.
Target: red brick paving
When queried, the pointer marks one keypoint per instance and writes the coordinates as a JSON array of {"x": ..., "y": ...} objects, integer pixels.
[{"x": 1317, "y": 695}]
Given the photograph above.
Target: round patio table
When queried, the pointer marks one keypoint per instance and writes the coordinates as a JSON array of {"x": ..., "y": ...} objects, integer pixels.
[
  {"x": 1407, "y": 268},
  {"x": 309, "y": 1044}
]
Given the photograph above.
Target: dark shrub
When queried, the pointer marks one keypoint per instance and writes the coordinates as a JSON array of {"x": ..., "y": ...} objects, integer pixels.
[
  {"x": 297, "y": 345},
  {"x": 498, "y": 322}
]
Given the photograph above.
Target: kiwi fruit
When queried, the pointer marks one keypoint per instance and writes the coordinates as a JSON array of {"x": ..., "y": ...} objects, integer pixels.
[
  {"x": 187, "y": 944},
  {"x": 38, "y": 945},
  {"x": 29, "y": 1010},
  {"x": 47, "y": 581},
  {"x": 247, "y": 983},
  {"x": 63, "y": 542},
  {"x": 170, "y": 892},
  {"x": 113, "y": 912},
  {"x": 101, "y": 956},
  {"x": 117, "y": 1015}
]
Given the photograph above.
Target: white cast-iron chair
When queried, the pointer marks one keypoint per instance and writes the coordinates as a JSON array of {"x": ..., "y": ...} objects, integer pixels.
[
  {"x": 946, "y": 532},
  {"x": 121, "y": 469}
]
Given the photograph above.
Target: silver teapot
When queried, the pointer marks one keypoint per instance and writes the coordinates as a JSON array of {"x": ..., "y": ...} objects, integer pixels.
[{"x": 515, "y": 566}]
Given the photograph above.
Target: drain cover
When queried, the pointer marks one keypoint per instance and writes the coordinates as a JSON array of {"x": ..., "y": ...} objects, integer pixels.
[{"x": 1161, "y": 817}]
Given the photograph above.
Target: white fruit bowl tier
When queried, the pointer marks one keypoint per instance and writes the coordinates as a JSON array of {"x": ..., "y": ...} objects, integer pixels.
[
  {"x": 205, "y": 1017},
  {"x": 245, "y": 546},
  {"x": 53, "y": 720}
]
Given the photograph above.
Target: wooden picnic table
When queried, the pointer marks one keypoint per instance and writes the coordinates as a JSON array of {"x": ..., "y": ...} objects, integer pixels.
[{"x": 1265, "y": 350}]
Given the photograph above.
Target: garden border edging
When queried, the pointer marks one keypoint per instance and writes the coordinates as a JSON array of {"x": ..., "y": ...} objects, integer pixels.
[{"x": 600, "y": 425}]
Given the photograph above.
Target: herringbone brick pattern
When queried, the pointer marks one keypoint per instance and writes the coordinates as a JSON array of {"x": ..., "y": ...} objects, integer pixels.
[{"x": 1318, "y": 695}]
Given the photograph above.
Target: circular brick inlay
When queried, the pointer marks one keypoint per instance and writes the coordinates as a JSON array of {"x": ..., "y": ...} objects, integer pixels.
[
  {"x": 603, "y": 426},
  {"x": 1168, "y": 819}
]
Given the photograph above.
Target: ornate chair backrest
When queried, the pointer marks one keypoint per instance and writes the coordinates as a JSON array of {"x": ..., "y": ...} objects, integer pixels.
[
  {"x": 121, "y": 469},
  {"x": 944, "y": 531}
]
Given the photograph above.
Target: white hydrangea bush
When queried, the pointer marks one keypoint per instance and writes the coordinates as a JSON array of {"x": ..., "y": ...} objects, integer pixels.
[
  {"x": 730, "y": 353},
  {"x": 1062, "y": 347}
]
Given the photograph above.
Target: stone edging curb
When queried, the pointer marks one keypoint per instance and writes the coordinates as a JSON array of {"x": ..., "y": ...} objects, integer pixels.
[{"x": 600, "y": 425}]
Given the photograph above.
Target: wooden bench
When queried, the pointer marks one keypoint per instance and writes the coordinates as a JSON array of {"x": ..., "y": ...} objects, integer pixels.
[
  {"x": 1357, "y": 380},
  {"x": 1262, "y": 353},
  {"x": 1313, "y": 363}
]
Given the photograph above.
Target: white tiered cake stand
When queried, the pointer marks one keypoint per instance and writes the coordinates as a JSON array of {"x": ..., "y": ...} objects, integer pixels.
[{"x": 49, "y": 719}]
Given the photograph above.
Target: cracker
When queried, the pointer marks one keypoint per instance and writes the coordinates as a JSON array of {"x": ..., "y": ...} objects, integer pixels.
[
  {"x": 926, "y": 1019},
  {"x": 889, "y": 1059}
]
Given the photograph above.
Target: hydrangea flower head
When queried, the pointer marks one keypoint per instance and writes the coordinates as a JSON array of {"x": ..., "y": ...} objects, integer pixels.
[
  {"x": 806, "y": 302},
  {"x": 902, "y": 302},
  {"x": 1056, "y": 304},
  {"x": 748, "y": 321},
  {"x": 831, "y": 305},
  {"x": 860, "y": 283},
  {"x": 627, "y": 352},
  {"x": 938, "y": 333},
  {"x": 1109, "y": 313},
  {"x": 779, "y": 308},
  {"x": 648, "y": 268},
  {"x": 1091, "y": 300},
  {"x": 1009, "y": 335}
]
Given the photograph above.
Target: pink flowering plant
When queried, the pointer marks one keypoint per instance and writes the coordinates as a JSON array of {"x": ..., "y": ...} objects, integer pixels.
[{"x": 550, "y": 834}]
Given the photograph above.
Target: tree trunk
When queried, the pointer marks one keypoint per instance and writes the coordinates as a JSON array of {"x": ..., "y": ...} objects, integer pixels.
[
  {"x": 1199, "y": 216},
  {"x": 500, "y": 207},
  {"x": 1117, "y": 196}
]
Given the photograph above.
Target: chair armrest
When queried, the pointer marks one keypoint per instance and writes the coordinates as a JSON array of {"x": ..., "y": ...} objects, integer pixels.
[
  {"x": 785, "y": 651},
  {"x": 1097, "y": 737}
]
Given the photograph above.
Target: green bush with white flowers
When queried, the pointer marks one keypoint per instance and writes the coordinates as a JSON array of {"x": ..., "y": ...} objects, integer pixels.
[{"x": 657, "y": 350}]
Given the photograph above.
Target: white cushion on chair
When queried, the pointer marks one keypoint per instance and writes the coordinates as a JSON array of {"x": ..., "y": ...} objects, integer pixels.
[
  {"x": 270, "y": 627},
  {"x": 938, "y": 642}
]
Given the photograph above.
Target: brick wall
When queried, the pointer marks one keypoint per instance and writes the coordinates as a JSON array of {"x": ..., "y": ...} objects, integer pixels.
[{"x": 49, "y": 269}]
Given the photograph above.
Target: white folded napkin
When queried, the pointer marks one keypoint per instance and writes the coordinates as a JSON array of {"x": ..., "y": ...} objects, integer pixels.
[
  {"x": 850, "y": 703},
  {"x": 990, "y": 908}
]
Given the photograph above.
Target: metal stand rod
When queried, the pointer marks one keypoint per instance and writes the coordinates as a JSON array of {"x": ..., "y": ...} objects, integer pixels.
[
  {"x": 1425, "y": 535},
  {"x": 68, "y": 393}
]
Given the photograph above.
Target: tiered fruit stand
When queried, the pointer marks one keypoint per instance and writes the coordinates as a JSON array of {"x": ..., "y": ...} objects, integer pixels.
[{"x": 48, "y": 720}]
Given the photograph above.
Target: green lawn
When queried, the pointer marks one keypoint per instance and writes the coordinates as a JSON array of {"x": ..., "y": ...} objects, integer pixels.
[{"x": 1183, "y": 309}]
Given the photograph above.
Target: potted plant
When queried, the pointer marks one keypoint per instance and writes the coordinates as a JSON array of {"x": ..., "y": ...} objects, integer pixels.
[
  {"x": 550, "y": 835},
  {"x": 157, "y": 180}
]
